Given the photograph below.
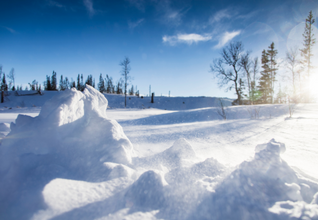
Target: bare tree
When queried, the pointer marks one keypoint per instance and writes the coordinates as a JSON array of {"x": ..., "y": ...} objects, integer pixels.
[
  {"x": 221, "y": 109},
  {"x": 227, "y": 68},
  {"x": 125, "y": 64},
  {"x": 246, "y": 64},
  {"x": 11, "y": 77},
  {"x": 292, "y": 64}
]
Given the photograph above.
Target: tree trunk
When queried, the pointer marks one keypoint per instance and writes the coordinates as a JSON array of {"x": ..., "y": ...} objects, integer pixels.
[{"x": 237, "y": 92}]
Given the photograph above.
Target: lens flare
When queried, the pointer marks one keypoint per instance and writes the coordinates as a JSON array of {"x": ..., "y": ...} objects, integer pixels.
[{"x": 312, "y": 86}]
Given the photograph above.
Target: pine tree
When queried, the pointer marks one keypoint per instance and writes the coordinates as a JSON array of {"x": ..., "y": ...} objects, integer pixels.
[
  {"x": 61, "y": 85},
  {"x": 110, "y": 88},
  {"x": 82, "y": 83},
  {"x": 90, "y": 81},
  {"x": 78, "y": 87},
  {"x": 264, "y": 86},
  {"x": 131, "y": 91},
  {"x": 53, "y": 81},
  {"x": 101, "y": 84},
  {"x": 272, "y": 64},
  {"x": 4, "y": 85},
  {"x": 66, "y": 83},
  {"x": 309, "y": 42},
  {"x": 47, "y": 84}
]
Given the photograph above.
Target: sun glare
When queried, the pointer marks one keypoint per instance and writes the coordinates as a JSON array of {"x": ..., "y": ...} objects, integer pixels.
[{"x": 312, "y": 86}]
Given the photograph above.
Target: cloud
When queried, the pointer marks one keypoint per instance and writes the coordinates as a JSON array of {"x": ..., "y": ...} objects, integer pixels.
[
  {"x": 9, "y": 29},
  {"x": 225, "y": 13},
  {"x": 133, "y": 25},
  {"x": 185, "y": 38},
  {"x": 168, "y": 15},
  {"x": 231, "y": 13},
  {"x": 89, "y": 6},
  {"x": 53, "y": 3},
  {"x": 226, "y": 37},
  {"x": 139, "y": 4}
]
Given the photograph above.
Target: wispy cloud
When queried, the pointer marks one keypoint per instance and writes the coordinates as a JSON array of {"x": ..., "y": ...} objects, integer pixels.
[
  {"x": 185, "y": 38},
  {"x": 53, "y": 3},
  {"x": 133, "y": 25},
  {"x": 225, "y": 13},
  {"x": 226, "y": 37},
  {"x": 139, "y": 4},
  {"x": 89, "y": 6},
  {"x": 231, "y": 13},
  {"x": 9, "y": 29},
  {"x": 169, "y": 15}
]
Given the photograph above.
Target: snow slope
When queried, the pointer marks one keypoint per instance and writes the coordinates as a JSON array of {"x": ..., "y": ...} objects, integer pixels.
[{"x": 74, "y": 161}]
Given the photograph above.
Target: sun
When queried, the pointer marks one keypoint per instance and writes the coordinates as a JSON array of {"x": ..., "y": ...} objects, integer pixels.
[{"x": 312, "y": 86}]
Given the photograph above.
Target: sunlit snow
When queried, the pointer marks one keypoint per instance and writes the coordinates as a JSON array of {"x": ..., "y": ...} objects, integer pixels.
[{"x": 82, "y": 156}]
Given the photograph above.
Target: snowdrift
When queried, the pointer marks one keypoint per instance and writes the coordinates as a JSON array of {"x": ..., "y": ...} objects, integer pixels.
[
  {"x": 264, "y": 188},
  {"x": 73, "y": 162},
  {"x": 71, "y": 138}
]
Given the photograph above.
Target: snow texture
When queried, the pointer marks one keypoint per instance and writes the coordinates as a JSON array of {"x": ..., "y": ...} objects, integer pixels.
[
  {"x": 71, "y": 138},
  {"x": 256, "y": 189},
  {"x": 71, "y": 161}
]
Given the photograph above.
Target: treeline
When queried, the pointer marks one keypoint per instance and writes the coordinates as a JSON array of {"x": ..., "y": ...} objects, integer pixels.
[
  {"x": 105, "y": 85},
  {"x": 237, "y": 69},
  {"x": 6, "y": 85}
]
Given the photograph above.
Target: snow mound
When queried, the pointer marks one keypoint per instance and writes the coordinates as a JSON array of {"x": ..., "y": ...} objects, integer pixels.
[
  {"x": 208, "y": 168},
  {"x": 4, "y": 127},
  {"x": 295, "y": 210},
  {"x": 272, "y": 146},
  {"x": 254, "y": 187},
  {"x": 118, "y": 170},
  {"x": 62, "y": 195},
  {"x": 71, "y": 138},
  {"x": 179, "y": 154},
  {"x": 74, "y": 124},
  {"x": 147, "y": 192}
]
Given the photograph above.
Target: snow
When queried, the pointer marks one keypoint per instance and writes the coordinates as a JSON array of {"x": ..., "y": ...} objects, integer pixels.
[{"x": 79, "y": 155}]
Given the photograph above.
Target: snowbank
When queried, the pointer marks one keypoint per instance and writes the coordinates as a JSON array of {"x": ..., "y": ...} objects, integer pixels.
[
  {"x": 179, "y": 154},
  {"x": 257, "y": 188},
  {"x": 146, "y": 193},
  {"x": 71, "y": 138}
]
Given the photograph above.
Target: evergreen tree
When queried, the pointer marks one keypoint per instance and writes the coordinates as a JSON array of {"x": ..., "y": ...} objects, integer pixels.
[
  {"x": 82, "y": 83},
  {"x": 90, "y": 81},
  {"x": 4, "y": 85},
  {"x": 110, "y": 88},
  {"x": 272, "y": 64},
  {"x": 66, "y": 83},
  {"x": 131, "y": 91},
  {"x": 47, "y": 84},
  {"x": 1, "y": 76},
  {"x": 78, "y": 87},
  {"x": 61, "y": 85},
  {"x": 72, "y": 83},
  {"x": 119, "y": 87},
  {"x": 309, "y": 42},
  {"x": 101, "y": 84},
  {"x": 264, "y": 86},
  {"x": 53, "y": 81}
]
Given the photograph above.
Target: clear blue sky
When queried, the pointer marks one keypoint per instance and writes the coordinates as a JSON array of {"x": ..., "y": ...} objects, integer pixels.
[{"x": 171, "y": 44}]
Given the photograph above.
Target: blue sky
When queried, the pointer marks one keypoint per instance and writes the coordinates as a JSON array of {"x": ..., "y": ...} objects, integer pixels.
[{"x": 171, "y": 44}]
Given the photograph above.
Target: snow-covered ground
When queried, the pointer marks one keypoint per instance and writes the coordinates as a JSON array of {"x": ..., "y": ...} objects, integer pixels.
[{"x": 73, "y": 159}]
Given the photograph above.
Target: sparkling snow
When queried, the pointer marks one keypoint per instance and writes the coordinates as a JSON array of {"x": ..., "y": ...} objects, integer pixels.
[{"x": 74, "y": 155}]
